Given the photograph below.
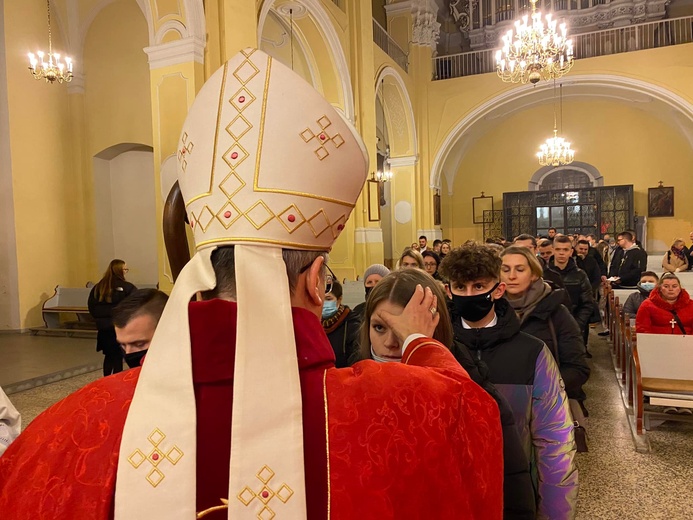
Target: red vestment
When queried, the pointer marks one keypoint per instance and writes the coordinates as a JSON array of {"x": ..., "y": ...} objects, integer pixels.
[{"x": 416, "y": 441}]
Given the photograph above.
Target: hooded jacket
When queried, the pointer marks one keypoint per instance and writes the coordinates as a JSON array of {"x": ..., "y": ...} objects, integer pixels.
[
  {"x": 579, "y": 289},
  {"x": 523, "y": 370},
  {"x": 569, "y": 353},
  {"x": 655, "y": 314}
]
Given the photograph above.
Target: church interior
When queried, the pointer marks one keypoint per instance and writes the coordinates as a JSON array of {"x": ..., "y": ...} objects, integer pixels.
[{"x": 453, "y": 147}]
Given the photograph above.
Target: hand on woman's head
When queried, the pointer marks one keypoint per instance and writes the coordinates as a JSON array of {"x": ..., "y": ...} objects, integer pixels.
[{"x": 420, "y": 316}]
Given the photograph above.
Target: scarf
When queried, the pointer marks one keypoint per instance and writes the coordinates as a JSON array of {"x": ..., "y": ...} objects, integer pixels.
[
  {"x": 334, "y": 321},
  {"x": 678, "y": 253},
  {"x": 525, "y": 304}
]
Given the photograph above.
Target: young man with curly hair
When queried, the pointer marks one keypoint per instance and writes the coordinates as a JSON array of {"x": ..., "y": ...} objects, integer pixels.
[{"x": 523, "y": 370}]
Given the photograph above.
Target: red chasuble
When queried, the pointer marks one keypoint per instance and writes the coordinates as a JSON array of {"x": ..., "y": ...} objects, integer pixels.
[{"x": 412, "y": 440}]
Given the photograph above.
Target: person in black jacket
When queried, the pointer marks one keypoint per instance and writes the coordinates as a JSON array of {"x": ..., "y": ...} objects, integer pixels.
[
  {"x": 397, "y": 288},
  {"x": 628, "y": 265},
  {"x": 341, "y": 326},
  {"x": 523, "y": 370},
  {"x": 106, "y": 294},
  {"x": 541, "y": 312},
  {"x": 587, "y": 263}
]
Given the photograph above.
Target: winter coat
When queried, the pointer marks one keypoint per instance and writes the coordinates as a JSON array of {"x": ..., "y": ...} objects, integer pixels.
[
  {"x": 591, "y": 268},
  {"x": 655, "y": 314},
  {"x": 672, "y": 263},
  {"x": 518, "y": 491},
  {"x": 628, "y": 265},
  {"x": 570, "y": 351},
  {"x": 102, "y": 313},
  {"x": 634, "y": 301},
  {"x": 594, "y": 253},
  {"x": 524, "y": 371},
  {"x": 343, "y": 333},
  {"x": 579, "y": 289}
]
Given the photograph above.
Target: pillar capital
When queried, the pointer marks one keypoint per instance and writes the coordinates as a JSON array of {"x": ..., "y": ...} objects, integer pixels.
[{"x": 176, "y": 52}]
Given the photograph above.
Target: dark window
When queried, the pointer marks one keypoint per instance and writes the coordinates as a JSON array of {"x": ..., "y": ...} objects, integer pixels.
[{"x": 565, "y": 180}]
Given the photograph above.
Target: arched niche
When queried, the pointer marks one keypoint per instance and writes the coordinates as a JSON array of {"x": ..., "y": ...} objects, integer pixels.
[
  {"x": 316, "y": 39},
  {"x": 398, "y": 126}
]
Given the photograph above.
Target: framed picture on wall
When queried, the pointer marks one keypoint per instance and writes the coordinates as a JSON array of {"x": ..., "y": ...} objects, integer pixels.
[
  {"x": 373, "y": 200},
  {"x": 660, "y": 201},
  {"x": 479, "y": 205},
  {"x": 436, "y": 210}
]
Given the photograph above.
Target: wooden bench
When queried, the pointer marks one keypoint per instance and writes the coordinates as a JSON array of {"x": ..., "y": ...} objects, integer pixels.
[
  {"x": 661, "y": 369},
  {"x": 67, "y": 301}
]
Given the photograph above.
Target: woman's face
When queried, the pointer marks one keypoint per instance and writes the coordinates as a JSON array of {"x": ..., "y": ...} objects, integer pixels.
[
  {"x": 445, "y": 248},
  {"x": 384, "y": 342},
  {"x": 329, "y": 297},
  {"x": 430, "y": 265},
  {"x": 517, "y": 275},
  {"x": 670, "y": 289},
  {"x": 408, "y": 263},
  {"x": 372, "y": 280},
  {"x": 678, "y": 246}
]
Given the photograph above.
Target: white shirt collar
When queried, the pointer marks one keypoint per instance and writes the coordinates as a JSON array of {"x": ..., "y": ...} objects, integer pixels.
[{"x": 492, "y": 323}]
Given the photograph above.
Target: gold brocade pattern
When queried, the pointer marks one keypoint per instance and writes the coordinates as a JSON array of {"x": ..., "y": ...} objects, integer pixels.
[
  {"x": 322, "y": 137},
  {"x": 327, "y": 441},
  {"x": 155, "y": 457},
  {"x": 247, "y": 496},
  {"x": 185, "y": 151}
]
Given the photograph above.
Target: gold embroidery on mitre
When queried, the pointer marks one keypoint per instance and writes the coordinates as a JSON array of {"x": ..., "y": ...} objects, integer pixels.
[
  {"x": 322, "y": 137},
  {"x": 266, "y": 494},
  {"x": 186, "y": 150},
  {"x": 155, "y": 457}
]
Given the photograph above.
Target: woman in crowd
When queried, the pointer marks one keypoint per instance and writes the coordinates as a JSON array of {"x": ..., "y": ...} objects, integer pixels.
[
  {"x": 106, "y": 294},
  {"x": 372, "y": 276},
  {"x": 379, "y": 344},
  {"x": 411, "y": 258},
  {"x": 648, "y": 281},
  {"x": 341, "y": 325},
  {"x": 542, "y": 314},
  {"x": 431, "y": 262},
  {"x": 445, "y": 248},
  {"x": 674, "y": 260},
  {"x": 668, "y": 310}
]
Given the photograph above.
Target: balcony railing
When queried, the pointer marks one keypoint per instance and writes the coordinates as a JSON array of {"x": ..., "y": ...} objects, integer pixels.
[
  {"x": 638, "y": 37},
  {"x": 383, "y": 40}
]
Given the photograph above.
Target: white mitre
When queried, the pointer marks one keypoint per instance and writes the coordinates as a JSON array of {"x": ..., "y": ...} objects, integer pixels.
[{"x": 265, "y": 163}]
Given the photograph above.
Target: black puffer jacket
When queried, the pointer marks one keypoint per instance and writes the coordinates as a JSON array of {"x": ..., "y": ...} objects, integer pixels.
[
  {"x": 524, "y": 372},
  {"x": 570, "y": 351},
  {"x": 518, "y": 492},
  {"x": 102, "y": 313},
  {"x": 579, "y": 289}
]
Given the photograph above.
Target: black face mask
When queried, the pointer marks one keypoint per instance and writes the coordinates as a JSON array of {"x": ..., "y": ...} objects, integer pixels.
[
  {"x": 135, "y": 358},
  {"x": 473, "y": 308},
  {"x": 368, "y": 290}
]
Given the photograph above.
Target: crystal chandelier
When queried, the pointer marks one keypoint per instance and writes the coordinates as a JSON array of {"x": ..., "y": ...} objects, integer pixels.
[
  {"x": 556, "y": 150},
  {"x": 535, "y": 50},
  {"x": 385, "y": 174},
  {"x": 53, "y": 69}
]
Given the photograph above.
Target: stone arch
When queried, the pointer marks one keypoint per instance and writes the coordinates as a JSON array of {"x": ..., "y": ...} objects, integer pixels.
[
  {"x": 458, "y": 140},
  {"x": 592, "y": 172},
  {"x": 399, "y": 113},
  {"x": 331, "y": 42}
]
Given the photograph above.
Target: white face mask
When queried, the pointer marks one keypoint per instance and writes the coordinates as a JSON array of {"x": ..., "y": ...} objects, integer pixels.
[{"x": 379, "y": 359}]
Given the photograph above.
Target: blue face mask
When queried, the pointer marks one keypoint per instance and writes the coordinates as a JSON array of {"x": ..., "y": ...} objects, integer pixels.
[
  {"x": 647, "y": 286},
  {"x": 329, "y": 307}
]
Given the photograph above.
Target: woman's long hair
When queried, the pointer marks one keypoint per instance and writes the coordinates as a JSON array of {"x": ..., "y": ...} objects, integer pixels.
[
  {"x": 398, "y": 287},
  {"x": 103, "y": 291}
]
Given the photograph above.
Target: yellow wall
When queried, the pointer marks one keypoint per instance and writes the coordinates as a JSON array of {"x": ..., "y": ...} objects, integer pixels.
[
  {"x": 117, "y": 78},
  {"x": 39, "y": 143},
  {"x": 626, "y": 145}
]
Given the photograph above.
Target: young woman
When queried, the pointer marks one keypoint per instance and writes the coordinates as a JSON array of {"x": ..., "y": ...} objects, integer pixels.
[
  {"x": 674, "y": 260},
  {"x": 379, "y": 343},
  {"x": 542, "y": 314},
  {"x": 341, "y": 325},
  {"x": 668, "y": 310},
  {"x": 411, "y": 258},
  {"x": 106, "y": 294},
  {"x": 445, "y": 249}
]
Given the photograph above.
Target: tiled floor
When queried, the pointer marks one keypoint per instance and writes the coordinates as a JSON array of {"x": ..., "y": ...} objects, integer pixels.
[{"x": 616, "y": 482}]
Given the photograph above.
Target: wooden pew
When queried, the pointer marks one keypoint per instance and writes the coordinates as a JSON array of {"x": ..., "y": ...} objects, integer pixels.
[
  {"x": 662, "y": 369},
  {"x": 67, "y": 301}
]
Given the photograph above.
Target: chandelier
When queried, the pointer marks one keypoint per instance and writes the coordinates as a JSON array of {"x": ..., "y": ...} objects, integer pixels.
[
  {"x": 556, "y": 150},
  {"x": 536, "y": 50},
  {"x": 49, "y": 67},
  {"x": 384, "y": 174}
]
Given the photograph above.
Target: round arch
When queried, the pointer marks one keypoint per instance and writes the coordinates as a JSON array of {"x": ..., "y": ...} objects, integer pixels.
[
  {"x": 601, "y": 86},
  {"x": 589, "y": 170},
  {"x": 319, "y": 16},
  {"x": 400, "y": 114}
]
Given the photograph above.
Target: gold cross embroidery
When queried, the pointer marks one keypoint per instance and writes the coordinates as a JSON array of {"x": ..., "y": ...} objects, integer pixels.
[
  {"x": 155, "y": 457},
  {"x": 185, "y": 151},
  {"x": 266, "y": 494},
  {"x": 322, "y": 138}
]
